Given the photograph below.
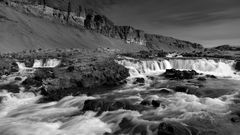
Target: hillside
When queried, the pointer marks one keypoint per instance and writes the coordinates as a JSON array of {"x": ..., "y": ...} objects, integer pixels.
[
  {"x": 227, "y": 48},
  {"x": 61, "y": 24},
  {"x": 20, "y": 31}
]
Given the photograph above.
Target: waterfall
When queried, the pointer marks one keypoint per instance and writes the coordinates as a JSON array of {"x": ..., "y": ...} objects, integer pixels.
[
  {"x": 50, "y": 63},
  {"x": 23, "y": 69},
  {"x": 37, "y": 63},
  {"x": 145, "y": 67},
  {"x": 220, "y": 67}
]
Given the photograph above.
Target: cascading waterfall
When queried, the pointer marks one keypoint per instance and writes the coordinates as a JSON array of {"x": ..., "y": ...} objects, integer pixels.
[
  {"x": 218, "y": 68},
  {"x": 145, "y": 67},
  {"x": 37, "y": 63},
  {"x": 50, "y": 63},
  {"x": 223, "y": 68}
]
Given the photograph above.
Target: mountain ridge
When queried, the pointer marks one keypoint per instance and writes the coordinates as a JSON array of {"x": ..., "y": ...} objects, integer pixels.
[{"x": 81, "y": 17}]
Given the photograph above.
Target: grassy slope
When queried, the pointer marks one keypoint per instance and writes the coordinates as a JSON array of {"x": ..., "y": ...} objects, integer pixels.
[{"x": 19, "y": 31}]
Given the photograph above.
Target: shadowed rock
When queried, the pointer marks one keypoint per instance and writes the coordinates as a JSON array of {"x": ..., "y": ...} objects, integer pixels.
[
  {"x": 179, "y": 75},
  {"x": 101, "y": 105}
]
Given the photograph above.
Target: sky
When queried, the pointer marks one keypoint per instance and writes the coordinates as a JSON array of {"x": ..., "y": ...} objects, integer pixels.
[{"x": 208, "y": 22}]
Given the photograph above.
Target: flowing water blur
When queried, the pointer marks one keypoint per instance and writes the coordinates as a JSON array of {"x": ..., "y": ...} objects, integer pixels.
[{"x": 21, "y": 114}]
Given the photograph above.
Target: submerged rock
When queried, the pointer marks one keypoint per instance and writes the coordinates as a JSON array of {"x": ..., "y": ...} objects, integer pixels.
[{"x": 179, "y": 75}]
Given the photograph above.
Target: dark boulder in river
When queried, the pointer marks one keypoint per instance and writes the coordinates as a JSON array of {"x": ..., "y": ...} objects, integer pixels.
[
  {"x": 179, "y": 75},
  {"x": 101, "y": 105},
  {"x": 138, "y": 80},
  {"x": 237, "y": 66}
]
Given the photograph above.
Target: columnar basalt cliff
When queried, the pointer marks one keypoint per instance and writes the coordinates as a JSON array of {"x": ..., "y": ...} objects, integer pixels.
[{"x": 74, "y": 13}]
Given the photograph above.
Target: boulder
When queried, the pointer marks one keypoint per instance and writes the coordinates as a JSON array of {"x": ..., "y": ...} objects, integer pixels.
[
  {"x": 201, "y": 79},
  {"x": 211, "y": 76},
  {"x": 101, "y": 105},
  {"x": 237, "y": 66},
  {"x": 156, "y": 103},
  {"x": 139, "y": 80},
  {"x": 179, "y": 75},
  {"x": 18, "y": 79}
]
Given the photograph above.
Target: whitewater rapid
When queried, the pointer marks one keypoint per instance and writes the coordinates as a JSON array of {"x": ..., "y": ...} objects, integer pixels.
[
  {"x": 221, "y": 68},
  {"x": 38, "y": 63},
  {"x": 21, "y": 113}
]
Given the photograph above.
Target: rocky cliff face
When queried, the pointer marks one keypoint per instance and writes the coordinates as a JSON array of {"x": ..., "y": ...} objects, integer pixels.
[
  {"x": 227, "y": 48},
  {"x": 72, "y": 12}
]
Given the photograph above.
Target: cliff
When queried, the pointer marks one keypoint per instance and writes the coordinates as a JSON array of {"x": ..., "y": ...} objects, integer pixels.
[
  {"x": 227, "y": 48},
  {"x": 74, "y": 13}
]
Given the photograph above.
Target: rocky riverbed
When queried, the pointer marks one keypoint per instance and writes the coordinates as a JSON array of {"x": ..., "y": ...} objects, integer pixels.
[{"x": 77, "y": 91}]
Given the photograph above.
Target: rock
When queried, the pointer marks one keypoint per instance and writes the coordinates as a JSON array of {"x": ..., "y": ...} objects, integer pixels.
[
  {"x": 129, "y": 126},
  {"x": 183, "y": 89},
  {"x": 156, "y": 103},
  {"x": 211, "y": 76},
  {"x": 235, "y": 119},
  {"x": 18, "y": 79},
  {"x": 146, "y": 102},
  {"x": 237, "y": 66},
  {"x": 173, "y": 128},
  {"x": 201, "y": 79},
  {"x": 37, "y": 78},
  {"x": 8, "y": 66},
  {"x": 165, "y": 91},
  {"x": 70, "y": 69},
  {"x": 14, "y": 88},
  {"x": 138, "y": 80},
  {"x": 179, "y": 75},
  {"x": 101, "y": 105},
  {"x": 186, "y": 89}
]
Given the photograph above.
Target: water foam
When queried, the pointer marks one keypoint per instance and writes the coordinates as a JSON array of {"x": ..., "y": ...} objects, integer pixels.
[
  {"x": 222, "y": 68},
  {"x": 21, "y": 115}
]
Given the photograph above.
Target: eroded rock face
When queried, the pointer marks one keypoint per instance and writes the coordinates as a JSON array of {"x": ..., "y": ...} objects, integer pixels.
[{"x": 75, "y": 14}]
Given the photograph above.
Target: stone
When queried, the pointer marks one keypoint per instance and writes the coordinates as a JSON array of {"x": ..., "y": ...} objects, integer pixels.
[
  {"x": 18, "y": 79},
  {"x": 211, "y": 76},
  {"x": 101, "y": 105},
  {"x": 237, "y": 66},
  {"x": 179, "y": 75},
  {"x": 156, "y": 103},
  {"x": 139, "y": 80},
  {"x": 201, "y": 79}
]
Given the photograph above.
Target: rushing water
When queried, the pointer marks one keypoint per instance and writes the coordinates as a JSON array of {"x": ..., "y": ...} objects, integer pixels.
[{"x": 20, "y": 114}]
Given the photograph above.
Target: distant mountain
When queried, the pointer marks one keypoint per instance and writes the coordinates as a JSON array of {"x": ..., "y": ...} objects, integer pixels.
[
  {"x": 227, "y": 48},
  {"x": 32, "y": 32}
]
